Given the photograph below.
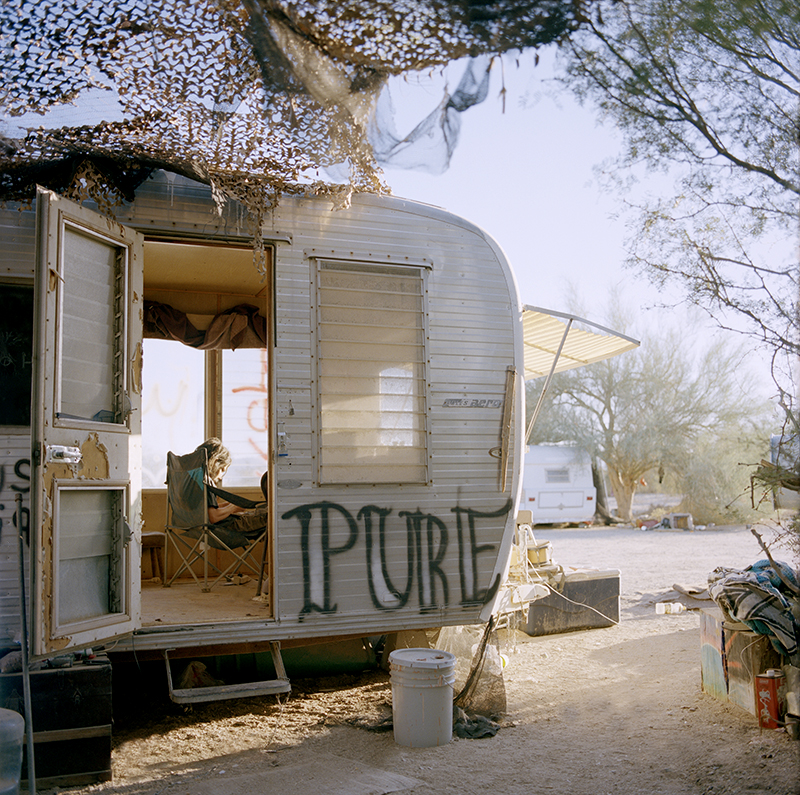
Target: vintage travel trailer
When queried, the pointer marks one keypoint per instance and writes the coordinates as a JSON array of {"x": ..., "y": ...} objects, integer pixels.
[
  {"x": 557, "y": 485},
  {"x": 368, "y": 372}
]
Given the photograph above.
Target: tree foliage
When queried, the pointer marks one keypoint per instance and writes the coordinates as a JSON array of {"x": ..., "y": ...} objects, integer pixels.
[
  {"x": 715, "y": 483},
  {"x": 710, "y": 91},
  {"x": 653, "y": 410}
]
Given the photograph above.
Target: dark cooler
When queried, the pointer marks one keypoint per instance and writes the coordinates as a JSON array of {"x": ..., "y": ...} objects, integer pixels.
[{"x": 582, "y": 599}]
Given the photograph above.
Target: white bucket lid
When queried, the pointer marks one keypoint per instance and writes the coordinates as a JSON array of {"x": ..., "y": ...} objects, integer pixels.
[{"x": 430, "y": 659}]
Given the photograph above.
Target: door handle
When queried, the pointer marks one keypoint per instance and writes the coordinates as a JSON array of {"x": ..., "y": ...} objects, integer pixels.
[{"x": 62, "y": 454}]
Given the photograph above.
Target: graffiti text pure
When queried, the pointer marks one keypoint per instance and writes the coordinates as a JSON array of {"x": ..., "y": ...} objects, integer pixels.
[{"x": 419, "y": 558}]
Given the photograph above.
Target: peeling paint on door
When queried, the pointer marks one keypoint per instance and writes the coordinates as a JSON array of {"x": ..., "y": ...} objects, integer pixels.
[
  {"x": 136, "y": 370},
  {"x": 94, "y": 458}
]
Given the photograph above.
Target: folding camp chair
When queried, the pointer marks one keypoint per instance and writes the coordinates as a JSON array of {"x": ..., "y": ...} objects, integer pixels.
[{"x": 190, "y": 533}]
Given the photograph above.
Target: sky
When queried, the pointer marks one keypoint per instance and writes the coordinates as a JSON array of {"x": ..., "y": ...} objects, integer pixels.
[{"x": 526, "y": 173}]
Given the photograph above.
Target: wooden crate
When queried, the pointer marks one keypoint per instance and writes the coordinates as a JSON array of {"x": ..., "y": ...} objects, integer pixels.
[
  {"x": 731, "y": 657},
  {"x": 712, "y": 658},
  {"x": 71, "y": 721},
  {"x": 747, "y": 654}
]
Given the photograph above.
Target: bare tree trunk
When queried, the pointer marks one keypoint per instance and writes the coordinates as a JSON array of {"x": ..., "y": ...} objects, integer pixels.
[
  {"x": 623, "y": 492},
  {"x": 602, "y": 511}
]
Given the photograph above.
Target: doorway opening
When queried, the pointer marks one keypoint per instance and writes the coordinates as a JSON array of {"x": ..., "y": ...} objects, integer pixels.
[{"x": 206, "y": 373}]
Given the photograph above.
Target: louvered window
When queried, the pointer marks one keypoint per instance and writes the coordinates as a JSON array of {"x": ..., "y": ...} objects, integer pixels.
[
  {"x": 371, "y": 374},
  {"x": 560, "y": 475}
]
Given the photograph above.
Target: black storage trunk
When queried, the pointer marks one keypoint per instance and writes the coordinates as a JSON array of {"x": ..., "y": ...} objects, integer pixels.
[
  {"x": 71, "y": 722},
  {"x": 587, "y": 599}
]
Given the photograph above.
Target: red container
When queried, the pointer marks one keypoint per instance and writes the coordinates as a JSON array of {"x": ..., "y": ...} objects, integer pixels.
[{"x": 769, "y": 689}]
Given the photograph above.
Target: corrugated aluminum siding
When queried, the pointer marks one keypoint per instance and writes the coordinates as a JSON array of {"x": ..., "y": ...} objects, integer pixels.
[
  {"x": 14, "y": 479},
  {"x": 332, "y": 579},
  {"x": 471, "y": 305}
]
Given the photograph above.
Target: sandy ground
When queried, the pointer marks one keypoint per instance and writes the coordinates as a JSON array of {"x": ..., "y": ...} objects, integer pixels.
[{"x": 614, "y": 710}]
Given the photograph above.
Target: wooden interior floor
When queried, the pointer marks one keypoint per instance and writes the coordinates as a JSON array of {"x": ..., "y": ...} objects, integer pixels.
[{"x": 184, "y": 603}]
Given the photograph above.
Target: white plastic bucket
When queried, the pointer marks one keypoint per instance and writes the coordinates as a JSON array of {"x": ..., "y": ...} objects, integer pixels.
[
  {"x": 12, "y": 729},
  {"x": 422, "y": 696}
]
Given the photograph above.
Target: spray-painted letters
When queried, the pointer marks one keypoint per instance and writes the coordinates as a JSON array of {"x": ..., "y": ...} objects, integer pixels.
[
  {"x": 14, "y": 479},
  {"x": 427, "y": 542}
]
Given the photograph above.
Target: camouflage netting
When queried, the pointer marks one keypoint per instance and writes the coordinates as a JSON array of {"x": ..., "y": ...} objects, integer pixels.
[{"x": 253, "y": 97}]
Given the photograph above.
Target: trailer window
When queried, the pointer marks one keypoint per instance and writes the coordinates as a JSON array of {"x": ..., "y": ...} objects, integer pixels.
[
  {"x": 16, "y": 335},
  {"x": 173, "y": 406},
  {"x": 182, "y": 406},
  {"x": 92, "y": 328},
  {"x": 244, "y": 414},
  {"x": 90, "y": 553},
  {"x": 371, "y": 375},
  {"x": 559, "y": 475}
]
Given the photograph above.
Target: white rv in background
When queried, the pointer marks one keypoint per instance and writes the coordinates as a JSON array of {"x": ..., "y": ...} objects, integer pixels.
[{"x": 557, "y": 485}]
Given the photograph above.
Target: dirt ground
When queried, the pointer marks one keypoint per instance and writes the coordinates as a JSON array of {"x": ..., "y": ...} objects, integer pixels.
[{"x": 614, "y": 710}]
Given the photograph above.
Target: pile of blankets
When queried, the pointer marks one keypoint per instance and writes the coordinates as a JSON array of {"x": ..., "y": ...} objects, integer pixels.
[{"x": 766, "y": 597}]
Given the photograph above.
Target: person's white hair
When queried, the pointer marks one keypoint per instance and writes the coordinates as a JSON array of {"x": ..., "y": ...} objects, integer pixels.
[{"x": 217, "y": 455}]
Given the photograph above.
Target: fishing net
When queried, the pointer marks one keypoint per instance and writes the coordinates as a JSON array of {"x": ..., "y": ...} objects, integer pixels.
[
  {"x": 479, "y": 685},
  {"x": 253, "y": 97}
]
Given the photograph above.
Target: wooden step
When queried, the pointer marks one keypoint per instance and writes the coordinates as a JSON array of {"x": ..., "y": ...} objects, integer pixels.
[{"x": 201, "y": 695}]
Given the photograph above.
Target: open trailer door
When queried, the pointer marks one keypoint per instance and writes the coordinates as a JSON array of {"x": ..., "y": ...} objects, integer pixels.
[{"x": 86, "y": 435}]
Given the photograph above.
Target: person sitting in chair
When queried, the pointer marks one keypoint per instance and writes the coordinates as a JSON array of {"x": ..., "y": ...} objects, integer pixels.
[{"x": 226, "y": 515}]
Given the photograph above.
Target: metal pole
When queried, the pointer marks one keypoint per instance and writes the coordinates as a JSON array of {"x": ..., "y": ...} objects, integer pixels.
[
  {"x": 547, "y": 383},
  {"x": 26, "y": 674}
]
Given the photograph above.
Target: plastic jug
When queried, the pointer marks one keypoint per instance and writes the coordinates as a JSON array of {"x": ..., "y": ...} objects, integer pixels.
[
  {"x": 670, "y": 607},
  {"x": 12, "y": 729}
]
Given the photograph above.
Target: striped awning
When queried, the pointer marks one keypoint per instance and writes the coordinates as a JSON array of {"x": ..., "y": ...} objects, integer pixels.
[{"x": 554, "y": 336}]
